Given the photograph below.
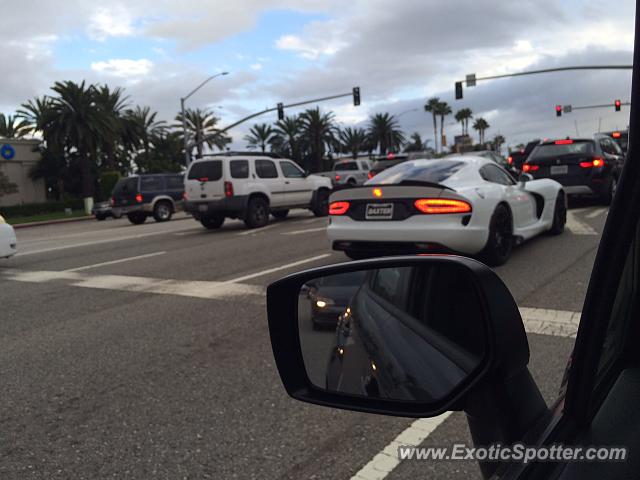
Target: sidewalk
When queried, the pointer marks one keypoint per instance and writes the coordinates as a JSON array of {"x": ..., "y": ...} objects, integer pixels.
[{"x": 52, "y": 222}]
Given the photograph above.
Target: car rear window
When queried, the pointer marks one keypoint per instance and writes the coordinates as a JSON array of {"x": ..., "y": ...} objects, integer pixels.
[
  {"x": 209, "y": 169},
  {"x": 434, "y": 171},
  {"x": 346, "y": 166},
  {"x": 151, "y": 184},
  {"x": 239, "y": 168},
  {"x": 175, "y": 182},
  {"x": 555, "y": 150},
  {"x": 266, "y": 169},
  {"x": 126, "y": 185}
]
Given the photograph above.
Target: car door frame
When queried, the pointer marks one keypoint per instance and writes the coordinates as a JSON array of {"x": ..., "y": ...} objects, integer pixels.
[
  {"x": 521, "y": 202},
  {"x": 274, "y": 185},
  {"x": 298, "y": 190}
]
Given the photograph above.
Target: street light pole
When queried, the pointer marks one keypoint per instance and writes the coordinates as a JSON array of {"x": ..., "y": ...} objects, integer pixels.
[{"x": 187, "y": 157}]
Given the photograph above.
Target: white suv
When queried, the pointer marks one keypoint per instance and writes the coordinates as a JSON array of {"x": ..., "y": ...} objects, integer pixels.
[{"x": 250, "y": 186}]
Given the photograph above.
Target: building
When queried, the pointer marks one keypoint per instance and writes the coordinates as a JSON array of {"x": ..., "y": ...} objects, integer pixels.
[{"x": 17, "y": 157}]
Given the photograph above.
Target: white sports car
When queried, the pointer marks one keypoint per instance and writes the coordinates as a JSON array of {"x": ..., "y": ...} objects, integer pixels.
[
  {"x": 461, "y": 204},
  {"x": 7, "y": 239}
]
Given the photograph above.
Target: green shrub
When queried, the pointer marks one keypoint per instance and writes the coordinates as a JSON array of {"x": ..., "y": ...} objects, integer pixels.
[
  {"x": 30, "y": 209},
  {"x": 108, "y": 180}
]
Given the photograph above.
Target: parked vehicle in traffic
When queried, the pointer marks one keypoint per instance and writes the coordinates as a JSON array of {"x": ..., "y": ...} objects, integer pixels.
[
  {"x": 250, "y": 187},
  {"x": 388, "y": 161},
  {"x": 330, "y": 296},
  {"x": 583, "y": 166},
  {"x": 466, "y": 204},
  {"x": 497, "y": 158},
  {"x": 142, "y": 196},
  {"x": 8, "y": 241},
  {"x": 349, "y": 172},
  {"x": 621, "y": 137},
  {"x": 517, "y": 158},
  {"x": 103, "y": 210}
]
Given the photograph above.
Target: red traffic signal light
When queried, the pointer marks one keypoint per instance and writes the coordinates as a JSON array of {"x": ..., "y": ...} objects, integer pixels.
[
  {"x": 558, "y": 110},
  {"x": 617, "y": 104}
]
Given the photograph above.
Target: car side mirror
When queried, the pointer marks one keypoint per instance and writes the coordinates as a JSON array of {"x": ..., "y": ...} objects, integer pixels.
[
  {"x": 525, "y": 177},
  {"x": 407, "y": 336}
]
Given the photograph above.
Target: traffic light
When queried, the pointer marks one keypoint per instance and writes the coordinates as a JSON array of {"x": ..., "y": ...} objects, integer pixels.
[
  {"x": 280, "y": 111},
  {"x": 458, "y": 90},
  {"x": 356, "y": 96},
  {"x": 558, "y": 110},
  {"x": 617, "y": 104}
]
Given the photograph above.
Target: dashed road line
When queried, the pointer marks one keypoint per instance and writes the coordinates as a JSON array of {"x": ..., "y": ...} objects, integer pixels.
[
  {"x": 276, "y": 269},
  {"x": 577, "y": 227},
  {"x": 308, "y": 230},
  {"x": 596, "y": 213},
  {"x": 255, "y": 231},
  {"x": 114, "y": 262}
]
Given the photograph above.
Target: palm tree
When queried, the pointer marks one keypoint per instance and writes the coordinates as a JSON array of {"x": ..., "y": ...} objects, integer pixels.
[
  {"x": 353, "y": 140},
  {"x": 138, "y": 129},
  {"x": 415, "y": 144},
  {"x": 13, "y": 126},
  {"x": 318, "y": 131},
  {"x": 467, "y": 114},
  {"x": 81, "y": 125},
  {"x": 260, "y": 135},
  {"x": 443, "y": 109},
  {"x": 202, "y": 124},
  {"x": 498, "y": 141},
  {"x": 384, "y": 132},
  {"x": 38, "y": 113},
  {"x": 481, "y": 125},
  {"x": 459, "y": 116},
  {"x": 432, "y": 106},
  {"x": 288, "y": 131},
  {"x": 113, "y": 103}
]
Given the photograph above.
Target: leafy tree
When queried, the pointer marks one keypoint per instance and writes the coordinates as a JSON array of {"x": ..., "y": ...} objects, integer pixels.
[
  {"x": 415, "y": 143},
  {"x": 353, "y": 140},
  {"x": 260, "y": 135},
  {"x": 13, "y": 126},
  {"x": 432, "y": 107},
  {"x": 166, "y": 154},
  {"x": 481, "y": 126},
  {"x": 139, "y": 128},
  {"x": 318, "y": 131},
  {"x": 384, "y": 132},
  {"x": 6, "y": 186},
  {"x": 113, "y": 104}
]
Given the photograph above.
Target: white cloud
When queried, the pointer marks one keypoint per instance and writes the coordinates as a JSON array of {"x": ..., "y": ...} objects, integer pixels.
[
  {"x": 123, "y": 67},
  {"x": 114, "y": 22},
  {"x": 310, "y": 49},
  {"x": 256, "y": 66}
]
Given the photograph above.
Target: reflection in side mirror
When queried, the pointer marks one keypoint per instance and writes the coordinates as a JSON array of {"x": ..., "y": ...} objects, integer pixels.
[
  {"x": 526, "y": 177},
  {"x": 413, "y": 333}
]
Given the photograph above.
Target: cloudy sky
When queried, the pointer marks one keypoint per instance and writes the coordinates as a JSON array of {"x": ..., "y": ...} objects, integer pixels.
[{"x": 400, "y": 52}]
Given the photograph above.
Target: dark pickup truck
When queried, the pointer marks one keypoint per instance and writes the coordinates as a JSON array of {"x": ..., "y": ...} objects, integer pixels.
[{"x": 141, "y": 196}]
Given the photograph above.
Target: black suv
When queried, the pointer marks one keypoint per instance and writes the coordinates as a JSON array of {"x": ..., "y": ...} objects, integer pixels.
[
  {"x": 583, "y": 166},
  {"x": 140, "y": 196}
]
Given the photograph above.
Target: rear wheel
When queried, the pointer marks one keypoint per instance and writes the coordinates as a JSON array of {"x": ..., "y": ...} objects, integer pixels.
[
  {"x": 100, "y": 216},
  {"x": 351, "y": 182},
  {"x": 280, "y": 214},
  {"x": 559, "y": 215},
  {"x": 321, "y": 207},
  {"x": 257, "y": 214},
  {"x": 162, "y": 212},
  {"x": 500, "y": 242},
  {"x": 212, "y": 223},
  {"x": 607, "y": 197},
  {"x": 136, "y": 217}
]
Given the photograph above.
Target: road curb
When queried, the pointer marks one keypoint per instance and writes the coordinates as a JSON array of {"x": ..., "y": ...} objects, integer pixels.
[{"x": 51, "y": 222}]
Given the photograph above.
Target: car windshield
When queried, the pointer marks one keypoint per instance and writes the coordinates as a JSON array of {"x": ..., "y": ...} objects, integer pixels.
[
  {"x": 432, "y": 171},
  {"x": 559, "y": 149}
]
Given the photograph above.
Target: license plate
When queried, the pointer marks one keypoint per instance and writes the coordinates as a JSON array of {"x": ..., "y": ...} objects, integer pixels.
[
  {"x": 379, "y": 211},
  {"x": 203, "y": 208},
  {"x": 559, "y": 169}
]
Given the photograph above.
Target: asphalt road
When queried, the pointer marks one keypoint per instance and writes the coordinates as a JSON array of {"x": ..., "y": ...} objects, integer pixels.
[{"x": 143, "y": 352}]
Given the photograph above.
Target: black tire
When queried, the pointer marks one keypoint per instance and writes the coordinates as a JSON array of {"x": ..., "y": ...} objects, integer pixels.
[
  {"x": 280, "y": 214},
  {"x": 559, "y": 215},
  {"x": 162, "y": 211},
  {"x": 351, "y": 182},
  {"x": 500, "y": 242},
  {"x": 257, "y": 214},
  {"x": 212, "y": 223},
  {"x": 100, "y": 217},
  {"x": 321, "y": 204},
  {"x": 607, "y": 197},
  {"x": 137, "y": 218}
]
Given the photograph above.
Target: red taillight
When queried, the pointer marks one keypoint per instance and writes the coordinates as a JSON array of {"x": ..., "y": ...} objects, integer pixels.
[
  {"x": 510, "y": 160},
  {"x": 203, "y": 179},
  {"x": 139, "y": 198},
  {"x": 228, "y": 189},
  {"x": 391, "y": 156},
  {"x": 370, "y": 175},
  {"x": 338, "y": 208},
  {"x": 442, "y": 205},
  {"x": 596, "y": 162},
  {"x": 113, "y": 201},
  {"x": 184, "y": 196},
  {"x": 616, "y": 134},
  {"x": 377, "y": 192},
  {"x": 564, "y": 142},
  {"x": 338, "y": 178},
  {"x": 527, "y": 167}
]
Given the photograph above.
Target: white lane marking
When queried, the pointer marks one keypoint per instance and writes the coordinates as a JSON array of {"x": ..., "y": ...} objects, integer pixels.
[
  {"x": 254, "y": 231},
  {"x": 577, "y": 227},
  {"x": 308, "y": 230},
  {"x": 384, "y": 462},
  {"x": 88, "y": 244},
  {"x": 276, "y": 269},
  {"x": 114, "y": 262},
  {"x": 312, "y": 220},
  {"x": 125, "y": 283},
  {"x": 596, "y": 213},
  {"x": 536, "y": 320}
]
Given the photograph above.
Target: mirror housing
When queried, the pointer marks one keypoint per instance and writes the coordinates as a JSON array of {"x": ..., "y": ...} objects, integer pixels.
[{"x": 525, "y": 177}]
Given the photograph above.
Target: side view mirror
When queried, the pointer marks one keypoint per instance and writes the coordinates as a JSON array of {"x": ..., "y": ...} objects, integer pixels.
[
  {"x": 526, "y": 177},
  {"x": 407, "y": 336}
]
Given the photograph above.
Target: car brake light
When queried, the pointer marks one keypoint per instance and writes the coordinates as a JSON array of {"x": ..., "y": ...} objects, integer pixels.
[
  {"x": 228, "y": 189},
  {"x": 596, "y": 162},
  {"x": 527, "y": 167},
  {"x": 113, "y": 201},
  {"x": 616, "y": 134},
  {"x": 370, "y": 175},
  {"x": 139, "y": 198},
  {"x": 564, "y": 142},
  {"x": 510, "y": 160},
  {"x": 337, "y": 178},
  {"x": 338, "y": 208},
  {"x": 377, "y": 192},
  {"x": 442, "y": 205},
  {"x": 203, "y": 179}
]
